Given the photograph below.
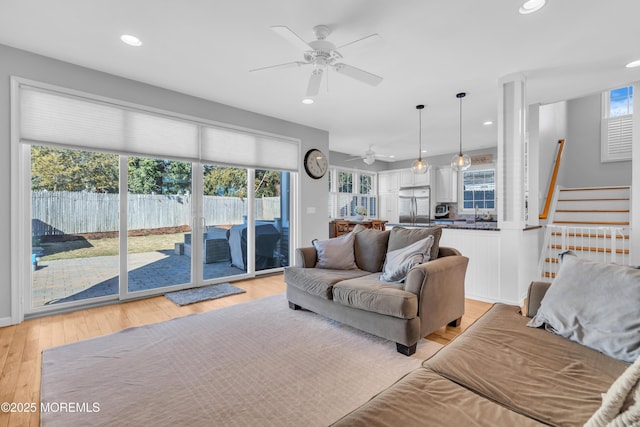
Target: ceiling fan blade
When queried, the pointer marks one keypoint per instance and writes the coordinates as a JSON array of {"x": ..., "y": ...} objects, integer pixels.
[
  {"x": 285, "y": 65},
  {"x": 355, "y": 158},
  {"x": 358, "y": 74},
  {"x": 291, "y": 37},
  {"x": 370, "y": 38},
  {"x": 314, "y": 83}
]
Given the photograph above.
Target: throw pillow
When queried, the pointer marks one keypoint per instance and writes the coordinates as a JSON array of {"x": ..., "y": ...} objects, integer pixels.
[
  {"x": 370, "y": 248},
  {"x": 596, "y": 305},
  {"x": 401, "y": 237},
  {"x": 401, "y": 261},
  {"x": 336, "y": 253}
]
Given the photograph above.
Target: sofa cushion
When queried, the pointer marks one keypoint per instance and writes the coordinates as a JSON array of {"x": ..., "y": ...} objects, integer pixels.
[
  {"x": 370, "y": 294},
  {"x": 532, "y": 371},
  {"x": 370, "y": 248},
  {"x": 401, "y": 237},
  {"x": 594, "y": 304},
  {"x": 318, "y": 281},
  {"x": 336, "y": 253},
  {"x": 398, "y": 263},
  {"x": 423, "y": 398}
]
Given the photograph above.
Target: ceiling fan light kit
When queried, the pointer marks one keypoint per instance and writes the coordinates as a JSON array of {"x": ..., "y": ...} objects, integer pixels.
[
  {"x": 460, "y": 161},
  {"x": 420, "y": 166},
  {"x": 323, "y": 55}
]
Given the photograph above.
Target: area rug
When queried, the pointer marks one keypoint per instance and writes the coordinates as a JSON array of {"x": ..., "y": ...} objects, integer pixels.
[
  {"x": 255, "y": 363},
  {"x": 190, "y": 296}
]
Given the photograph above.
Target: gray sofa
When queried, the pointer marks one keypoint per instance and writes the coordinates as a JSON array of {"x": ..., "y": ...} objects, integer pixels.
[
  {"x": 431, "y": 297},
  {"x": 504, "y": 371}
]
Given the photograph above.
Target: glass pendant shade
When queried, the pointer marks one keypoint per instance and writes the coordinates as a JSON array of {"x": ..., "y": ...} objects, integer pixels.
[
  {"x": 420, "y": 166},
  {"x": 460, "y": 162}
]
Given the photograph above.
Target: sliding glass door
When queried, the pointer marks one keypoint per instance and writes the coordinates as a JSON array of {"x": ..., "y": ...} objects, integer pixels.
[
  {"x": 74, "y": 225},
  {"x": 116, "y": 200},
  {"x": 159, "y": 214}
]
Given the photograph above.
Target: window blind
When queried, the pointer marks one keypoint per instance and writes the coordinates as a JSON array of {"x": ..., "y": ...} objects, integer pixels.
[
  {"x": 617, "y": 139},
  {"x": 69, "y": 120},
  {"x": 252, "y": 150}
]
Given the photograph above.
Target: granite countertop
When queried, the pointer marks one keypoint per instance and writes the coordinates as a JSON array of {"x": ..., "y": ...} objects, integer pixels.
[{"x": 479, "y": 225}]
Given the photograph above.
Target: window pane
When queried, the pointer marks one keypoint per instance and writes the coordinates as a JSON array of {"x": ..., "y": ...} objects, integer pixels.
[
  {"x": 621, "y": 101},
  {"x": 272, "y": 207},
  {"x": 366, "y": 184},
  {"x": 479, "y": 189},
  {"x": 75, "y": 223},
  {"x": 345, "y": 182}
]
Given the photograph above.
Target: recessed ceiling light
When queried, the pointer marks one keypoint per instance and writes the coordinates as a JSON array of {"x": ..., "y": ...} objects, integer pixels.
[
  {"x": 130, "y": 40},
  {"x": 633, "y": 64},
  {"x": 424, "y": 151},
  {"x": 307, "y": 101},
  {"x": 531, "y": 6},
  {"x": 487, "y": 123}
]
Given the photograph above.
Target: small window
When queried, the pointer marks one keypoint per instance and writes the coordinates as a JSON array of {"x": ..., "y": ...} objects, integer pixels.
[
  {"x": 366, "y": 184},
  {"x": 479, "y": 189},
  {"x": 617, "y": 123},
  {"x": 345, "y": 182}
]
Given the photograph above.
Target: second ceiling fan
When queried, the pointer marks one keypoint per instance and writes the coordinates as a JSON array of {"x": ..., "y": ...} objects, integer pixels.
[{"x": 323, "y": 54}]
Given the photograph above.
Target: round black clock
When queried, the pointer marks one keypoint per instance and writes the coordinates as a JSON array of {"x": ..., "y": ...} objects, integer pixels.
[{"x": 315, "y": 163}]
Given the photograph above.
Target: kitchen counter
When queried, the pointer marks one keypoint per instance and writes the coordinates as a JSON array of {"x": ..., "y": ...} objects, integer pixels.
[{"x": 479, "y": 225}]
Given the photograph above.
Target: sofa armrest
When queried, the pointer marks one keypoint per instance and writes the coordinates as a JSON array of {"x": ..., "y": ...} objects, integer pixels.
[
  {"x": 306, "y": 257},
  {"x": 439, "y": 285},
  {"x": 445, "y": 251},
  {"x": 534, "y": 297}
]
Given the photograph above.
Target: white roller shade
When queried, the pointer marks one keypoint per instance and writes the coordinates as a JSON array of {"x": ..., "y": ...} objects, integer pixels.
[
  {"x": 54, "y": 118},
  {"x": 234, "y": 147}
]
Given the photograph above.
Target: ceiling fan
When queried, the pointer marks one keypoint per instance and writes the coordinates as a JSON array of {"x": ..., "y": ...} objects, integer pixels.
[
  {"x": 322, "y": 54},
  {"x": 369, "y": 157}
]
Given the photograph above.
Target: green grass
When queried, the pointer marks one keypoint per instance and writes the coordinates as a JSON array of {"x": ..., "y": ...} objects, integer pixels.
[{"x": 89, "y": 248}]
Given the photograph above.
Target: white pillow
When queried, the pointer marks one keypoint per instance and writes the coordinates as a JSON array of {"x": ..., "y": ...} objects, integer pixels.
[
  {"x": 596, "y": 305},
  {"x": 399, "y": 262},
  {"x": 336, "y": 253}
]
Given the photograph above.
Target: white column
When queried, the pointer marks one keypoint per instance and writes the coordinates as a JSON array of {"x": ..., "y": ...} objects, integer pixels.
[
  {"x": 634, "y": 238},
  {"x": 512, "y": 110},
  {"x": 518, "y": 248}
]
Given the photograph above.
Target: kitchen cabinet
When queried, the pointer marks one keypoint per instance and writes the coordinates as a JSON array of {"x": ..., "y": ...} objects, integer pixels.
[
  {"x": 446, "y": 185},
  {"x": 410, "y": 179},
  {"x": 388, "y": 182},
  {"x": 388, "y": 207}
]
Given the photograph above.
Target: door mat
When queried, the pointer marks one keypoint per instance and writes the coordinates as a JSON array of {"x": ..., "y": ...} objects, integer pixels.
[{"x": 190, "y": 296}]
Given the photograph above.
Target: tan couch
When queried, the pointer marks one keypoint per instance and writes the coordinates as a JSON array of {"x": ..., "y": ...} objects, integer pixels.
[
  {"x": 499, "y": 372},
  {"x": 431, "y": 297}
]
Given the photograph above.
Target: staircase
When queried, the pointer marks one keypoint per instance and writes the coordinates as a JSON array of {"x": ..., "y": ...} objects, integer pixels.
[{"x": 592, "y": 222}]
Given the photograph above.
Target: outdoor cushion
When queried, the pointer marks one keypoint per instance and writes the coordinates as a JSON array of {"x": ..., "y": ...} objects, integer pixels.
[
  {"x": 318, "y": 281},
  {"x": 336, "y": 253},
  {"x": 401, "y": 237},
  {"x": 370, "y": 248},
  {"x": 596, "y": 305},
  {"x": 370, "y": 294}
]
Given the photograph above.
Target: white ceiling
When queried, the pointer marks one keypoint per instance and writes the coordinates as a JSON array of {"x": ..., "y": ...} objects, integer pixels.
[{"x": 427, "y": 52}]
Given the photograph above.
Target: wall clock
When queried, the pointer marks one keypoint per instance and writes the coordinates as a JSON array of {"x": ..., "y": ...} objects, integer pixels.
[{"x": 315, "y": 163}]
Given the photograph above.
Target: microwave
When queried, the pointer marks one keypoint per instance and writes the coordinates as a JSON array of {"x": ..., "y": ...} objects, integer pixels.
[{"x": 442, "y": 211}]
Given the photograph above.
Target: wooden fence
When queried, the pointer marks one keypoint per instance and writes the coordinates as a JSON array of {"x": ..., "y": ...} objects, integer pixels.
[{"x": 63, "y": 212}]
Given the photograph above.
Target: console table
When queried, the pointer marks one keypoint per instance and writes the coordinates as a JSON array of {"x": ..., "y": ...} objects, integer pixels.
[{"x": 336, "y": 229}]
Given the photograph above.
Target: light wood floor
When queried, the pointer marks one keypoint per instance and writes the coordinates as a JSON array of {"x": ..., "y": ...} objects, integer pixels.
[{"x": 21, "y": 345}]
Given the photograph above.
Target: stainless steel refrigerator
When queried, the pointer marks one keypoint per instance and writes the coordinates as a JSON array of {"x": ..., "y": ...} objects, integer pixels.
[{"x": 414, "y": 206}]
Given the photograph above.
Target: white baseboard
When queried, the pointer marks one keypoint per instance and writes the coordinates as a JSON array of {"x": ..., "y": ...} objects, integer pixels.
[{"x": 5, "y": 321}]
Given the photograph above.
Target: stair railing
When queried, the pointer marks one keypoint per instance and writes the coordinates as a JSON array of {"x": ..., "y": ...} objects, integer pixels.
[
  {"x": 603, "y": 244},
  {"x": 552, "y": 181}
]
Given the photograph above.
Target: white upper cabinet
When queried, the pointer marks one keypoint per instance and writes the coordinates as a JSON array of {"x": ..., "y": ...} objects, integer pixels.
[
  {"x": 410, "y": 179},
  {"x": 388, "y": 182},
  {"x": 446, "y": 185}
]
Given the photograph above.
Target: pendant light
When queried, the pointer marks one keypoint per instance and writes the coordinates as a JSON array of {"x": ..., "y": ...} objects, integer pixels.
[
  {"x": 460, "y": 162},
  {"x": 420, "y": 166}
]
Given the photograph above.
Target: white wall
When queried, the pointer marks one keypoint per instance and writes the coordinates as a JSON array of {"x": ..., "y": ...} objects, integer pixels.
[
  {"x": 36, "y": 67},
  {"x": 582, "y": 166}
]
